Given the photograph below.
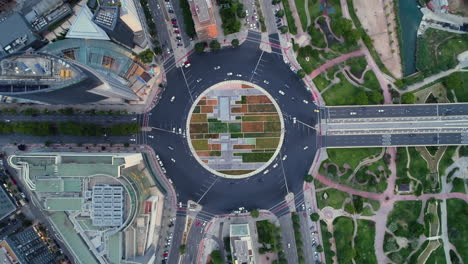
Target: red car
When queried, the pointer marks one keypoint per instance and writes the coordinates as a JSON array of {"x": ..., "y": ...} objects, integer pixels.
[
  {"x": 198, "y": 223},
  {"x": 177, "y": 31},
  {"x": 187, "y": 62},
  {"x": 165, "y": 255},
  {"x": 174, "y": 22}
]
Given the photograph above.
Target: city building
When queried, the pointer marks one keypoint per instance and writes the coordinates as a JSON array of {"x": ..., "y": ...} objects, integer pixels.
[
  {"x": 104, "y": 205},
  {"x": 117, "y": 65},
  {"x": 45, "y": 78},
  {"x": 45, "y": 13},
  {"x": 108, "y": 18},
  {"x": 129, "y": 15},
  {"x": 17, "y": 35},
  {"x": 241, "y": 244},
  {"x": 28, "y": 247},
  {"x": 7, "y": 206},
  {"x": 204, "y": 19},
  {"x": 6, "y": 5}
]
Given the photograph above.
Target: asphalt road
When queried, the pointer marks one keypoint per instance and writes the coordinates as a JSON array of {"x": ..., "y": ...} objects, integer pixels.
[
  {"x": 95, "y": 119},
  {"x": 193, "y": 182},
  {"x": 288, "y": 239},
  {"x": 395, "y": 111}
]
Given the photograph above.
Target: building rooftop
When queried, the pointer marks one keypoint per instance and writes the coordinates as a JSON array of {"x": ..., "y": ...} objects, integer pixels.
[
  {"x": 239, "y": 230},
  {"x": 29, "y": 247},
  {"x": 6, "y": 204},
  {"x": 203, "y": 18},
  {"x": 16, "y": 34},
  {"x": 202, "y": 10},
  {"x": 74, "y": 242},
  {"x": 64, "y": 204},
  {"x": 106, "y": 16},
  {"x": 84, "y": 28}
]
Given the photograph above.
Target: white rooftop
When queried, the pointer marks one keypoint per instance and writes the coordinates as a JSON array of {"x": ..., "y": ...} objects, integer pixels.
[{"x": 84, "y": 28}]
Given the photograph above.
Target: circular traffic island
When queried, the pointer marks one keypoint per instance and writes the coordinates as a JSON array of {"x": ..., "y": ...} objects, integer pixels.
[{"x": 235, "y": 129}]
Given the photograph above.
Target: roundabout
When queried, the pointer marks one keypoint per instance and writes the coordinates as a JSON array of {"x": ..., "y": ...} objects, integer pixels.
[
  {"x": 278, "y": 174},
  {"x": 235, "y": 129}
]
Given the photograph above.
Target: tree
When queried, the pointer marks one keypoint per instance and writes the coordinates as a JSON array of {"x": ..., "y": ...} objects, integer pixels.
[
  {"x": 216, "y": 257},
  {"x": 408, "y": 98},
  {"x": 280, "y": 13},
  {"x": 275, "y": 2},
  {"x": 235, "y": 43},
  {"x": 300, "y": 73},
  {"x": 214, "y": 45},
  {"x": 283, "y": 29},
  {"x": 319, "y": 248},
  {"x": 361, "y": 98},
  {"x": 314, "y": 217},
  {"x": 182, "y": 249},
  {"x": 200, "y": 47},
  {"x": 308, "y": 178},
  {"x": 146, "y": 56},
  {"x": 255, "y": 213},
  {"x": 47, "y": 143}
]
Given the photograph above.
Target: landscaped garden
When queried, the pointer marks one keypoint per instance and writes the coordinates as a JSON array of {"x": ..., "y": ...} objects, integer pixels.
[
  {"x": 457, "y": 228},
  {"x": 341, "y": 167},
  {"x": 403, "y": 222},
  {"x": 237, "y": 133}
]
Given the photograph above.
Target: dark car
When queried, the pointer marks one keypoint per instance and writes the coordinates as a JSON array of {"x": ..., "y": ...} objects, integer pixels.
[
  {"x": 173, "y": 19},
  {"x": 175, "y": 26},
  {"x": 179, "y": 38},
  {"x": 170, "y": 10}
]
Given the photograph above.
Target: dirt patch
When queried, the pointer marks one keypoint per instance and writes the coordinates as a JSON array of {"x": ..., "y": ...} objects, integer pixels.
[
  {"x": 378, "y": 19},
  {"x": 258, "y": 99},
  {"x": 244, "y": 146},
  {"x": 252, "y": 127},
  {"x": 459, "y": 6}
]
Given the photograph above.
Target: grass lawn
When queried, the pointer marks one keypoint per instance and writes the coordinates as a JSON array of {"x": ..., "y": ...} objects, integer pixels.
[
  {"x": 457, "y": 228},
  {"x": 418, "y": 166},
  {"x": 289, "y": 17},
  {"x": 335, "y": 198},
  {"x": 217, "y": 127},
  {"x": 200, "y": 144},
  {"x": 461, "y": 92},
  {"x": 321, "y": 82},
  {"x": 352, "y": 157},
  {"x": 300, "y": 6},
  {"x": 371, "y": 82},
  {"x": 458, "y": 185},
  {"x": 317, "y": 39},
  {"x": 342, "y": 93},
  {"x": 272, "y": 126},
  {"x": 364, "y": 242},
  {"x": 267, "y": 143},
  {"x": 255, "y": 156},
  {"x": 343, "y": 233}
]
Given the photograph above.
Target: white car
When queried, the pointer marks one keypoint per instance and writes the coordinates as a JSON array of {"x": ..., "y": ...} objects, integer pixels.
[
  {"x": 173, "y": 160},
  {"x": 229, "y": 74},
  {"x": 172, "y": 99},
  {"x": 305, "y": 101},
  {"x": 217, "y": 68},
  {"x": 294, "y": 120},
  {"x": 265, "y": 172},
  {"x": 180, "y": 130},
  {"x": 199, "y": 80},
  {"x": 150, "y": 136},
  {"x": 380, "y": 111},
  {"x": 306, "y": 147},
  {"x": 132, "y": 139},
  {"x": 173, "y": 130},
  {"x": 266, "y": 82},
  {"x": 285, "y": 157},
  {"x": 281, "y": 92},
  {"x": 170, "y": 148},
  {"x": 157, "y": 157},
  {"x": 133, "y": 119},
  {"x": 276, "y": 165},
  {"x": 239, "y": 75},
  {"x": 352, "y": 113},
  {"x": 187, "y": 65}
]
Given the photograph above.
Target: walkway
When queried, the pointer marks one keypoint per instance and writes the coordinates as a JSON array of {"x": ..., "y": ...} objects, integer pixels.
[
  {"x": 295, "y": 15},
  {"x": 429, "y": 80},
  {"x": 332, "y": 63}
]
